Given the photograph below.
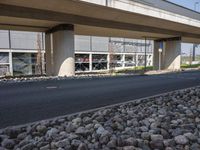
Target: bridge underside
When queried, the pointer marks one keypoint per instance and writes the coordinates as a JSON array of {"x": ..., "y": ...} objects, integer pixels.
[
  {"x": 87, "y": 19},
  {"x": 90, "y": 19}
]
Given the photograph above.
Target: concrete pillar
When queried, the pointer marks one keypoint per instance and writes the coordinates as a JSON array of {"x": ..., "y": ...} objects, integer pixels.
[
  {"x": 63, "y": 61},
  {"x": 170, "y": 56}
]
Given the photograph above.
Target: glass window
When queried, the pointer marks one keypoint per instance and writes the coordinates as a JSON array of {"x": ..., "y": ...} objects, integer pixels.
[
  {"x": 116, "y": 61},
  {"x": 26, "y": 40},
  {"x": 100, "y": 44},
  {"x": 99, "y": 62},
  {"x": 130, "y": 46},
  {"x": 141, "y": 60},
  {"x": 4, "y": 69},
  {"x": 116, "y": 45},
  {"x": 4, "y": 39},
  {"x": 82, "y": 62},
  {"x": 82, "y": 43},
  {"x": 129, "y": 60},
  {"x": 4, "y": 58},
  {"x": 24, "y": 63}
]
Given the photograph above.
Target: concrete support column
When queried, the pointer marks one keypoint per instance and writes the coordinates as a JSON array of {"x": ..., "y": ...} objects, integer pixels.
[
  {"x": 63, "y": 51},
  {"x": 170, "y": 56}
]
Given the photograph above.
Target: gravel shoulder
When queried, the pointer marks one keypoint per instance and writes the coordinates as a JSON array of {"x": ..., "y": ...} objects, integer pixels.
[{"x": 170, "y": 122}]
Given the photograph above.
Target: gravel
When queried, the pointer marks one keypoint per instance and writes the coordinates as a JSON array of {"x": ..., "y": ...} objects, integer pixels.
[
  {"x": 166, "y": 122},
  {"x": 4, "y": 80}
]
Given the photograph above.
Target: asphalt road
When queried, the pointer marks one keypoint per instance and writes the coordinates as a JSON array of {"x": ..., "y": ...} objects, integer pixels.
[{"x": 27, "y": 102}]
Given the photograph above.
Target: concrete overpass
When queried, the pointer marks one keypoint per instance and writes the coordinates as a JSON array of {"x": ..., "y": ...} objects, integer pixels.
[{"x": 157, "y": 20}]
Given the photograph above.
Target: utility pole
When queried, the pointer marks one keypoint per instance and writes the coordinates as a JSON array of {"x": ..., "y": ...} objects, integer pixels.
[
  {"x": 194, "y": 52},
  {"x": 160, "y": 50},
  {"x": 194, "y": 45},
  {"x": 160, "y": 54},
  {"x": 145, "y": 55}
]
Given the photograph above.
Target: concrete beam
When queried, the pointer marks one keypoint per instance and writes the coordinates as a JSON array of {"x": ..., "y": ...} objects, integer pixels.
[{"x": 86, "y": 14}]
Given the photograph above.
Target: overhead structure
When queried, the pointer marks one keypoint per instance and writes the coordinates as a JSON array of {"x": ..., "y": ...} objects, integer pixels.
[{"x": 151, "y": 19}]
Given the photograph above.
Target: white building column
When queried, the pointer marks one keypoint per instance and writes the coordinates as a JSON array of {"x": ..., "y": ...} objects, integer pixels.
[
  {"x": 123, "y": 60},
  {"x": 170, "y": 55},
  {"x": 108, "y": 60},
  {"x": 63, "y": 61},
  {"x": 10, "y": 63},
  {"x": 90, "y": 62}
]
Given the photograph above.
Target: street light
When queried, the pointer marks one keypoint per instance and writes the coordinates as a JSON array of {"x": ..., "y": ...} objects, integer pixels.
[
  {"x": 194, "y": 45},
  {"x": 160, "y": 52}
]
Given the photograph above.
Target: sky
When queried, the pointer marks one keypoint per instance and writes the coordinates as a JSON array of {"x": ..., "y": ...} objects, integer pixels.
[
  {"x": 186, "y": 48},
  {"x": 187, "y": 3}
]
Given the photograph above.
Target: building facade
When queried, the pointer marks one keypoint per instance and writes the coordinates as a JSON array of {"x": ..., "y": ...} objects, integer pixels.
[{"x": 23, "y": 53}]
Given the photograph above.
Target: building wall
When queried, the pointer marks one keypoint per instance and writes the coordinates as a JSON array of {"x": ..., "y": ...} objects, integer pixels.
[
  {"x": 103, "y": 53},
  {"x": 20, "y": 51}
]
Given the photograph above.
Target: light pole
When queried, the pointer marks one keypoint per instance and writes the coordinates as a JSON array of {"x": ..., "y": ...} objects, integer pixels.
[
  {"x": 160, "y": 52},
  {"x": 194, "y": 45},
  {"x": 145, "y": 55}
]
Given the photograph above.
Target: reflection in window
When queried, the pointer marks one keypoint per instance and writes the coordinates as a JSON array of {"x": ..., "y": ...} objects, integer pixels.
[
  {"x": 4, "y": 63},
  {"x": 116, "y": 61},
  {"x": 99, "y": 62},
  {"x": 82, "y": 62},
  {"x": 4, "y": 58},
  {"x": 141, "y": 60},
  {"x": 116, "y": 45},
  {"x": 24, "y": 64},
  {"x": 4, "y": 69},
  {"x": 129, "y": 60}
]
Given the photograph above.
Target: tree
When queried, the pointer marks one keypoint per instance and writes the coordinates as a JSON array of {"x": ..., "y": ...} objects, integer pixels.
[{"x": 39, "y": 68}]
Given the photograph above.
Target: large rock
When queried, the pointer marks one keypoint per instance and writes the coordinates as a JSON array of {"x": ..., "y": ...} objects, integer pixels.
[
  {"x": 181, "y": 139},
  {"x": 63, "y": 143},
  {"x": 101, "y": 131},
  {"x": 156, "y": 137},
  {"x": 52, "y": 133},
  {"x": 8, "y": 143},
  {"x": 190, "y": 136},
  {"x": 81, "y": 131},
  {"x": 82, "y": 146}
]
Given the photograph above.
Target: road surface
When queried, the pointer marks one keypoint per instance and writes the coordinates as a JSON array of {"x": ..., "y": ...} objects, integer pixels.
[{"x": 27, "y": 102}]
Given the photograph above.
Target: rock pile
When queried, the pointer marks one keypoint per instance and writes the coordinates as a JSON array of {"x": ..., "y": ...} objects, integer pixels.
[
  {"x": 4, "y": 80},
  {"x": 167, "y": 122}
]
